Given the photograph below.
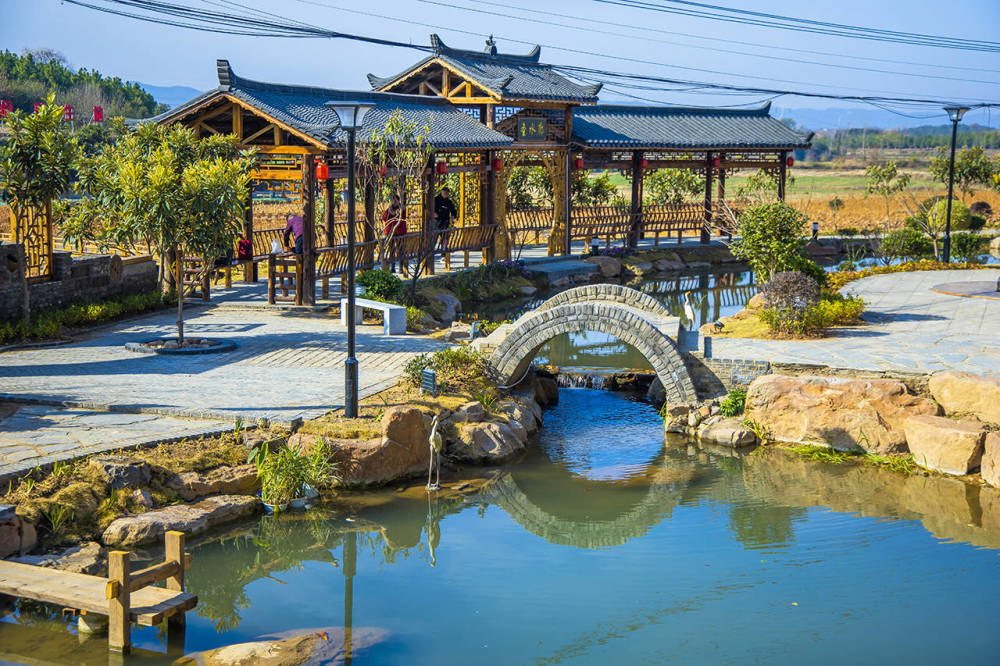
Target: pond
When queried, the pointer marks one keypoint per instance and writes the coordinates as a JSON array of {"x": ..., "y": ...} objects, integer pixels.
[{"x": 604, "y": 545}]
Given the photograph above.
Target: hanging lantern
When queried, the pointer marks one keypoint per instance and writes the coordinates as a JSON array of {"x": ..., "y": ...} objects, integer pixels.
[
  {"x": 497, "y": 164},
  {"x": 37, "y": 107},
  {"x": 716, "y": 162},
  {"x": 442, "y": 168},
  {"x": 790, "y": 160},
  {"x": 98, "y": 114},
  {"x": 578, "y": 163},
  {"x": 322, "y": 170},
  {"x": 68, "y": 113},
  {"x": 6, "y": 106},
  {"x": 643, "y": 163},
  {"x": 383, "y": 170}
]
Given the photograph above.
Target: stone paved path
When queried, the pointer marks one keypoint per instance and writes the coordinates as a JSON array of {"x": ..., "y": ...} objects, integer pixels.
[
  {"x": 33, "y": 435},
  {"x": 284, "y": 367},
  {"x": 911, "y": 328}
]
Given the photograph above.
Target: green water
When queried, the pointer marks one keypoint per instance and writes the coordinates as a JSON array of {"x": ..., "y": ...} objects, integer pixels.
[{"x": 604, "y": 545}]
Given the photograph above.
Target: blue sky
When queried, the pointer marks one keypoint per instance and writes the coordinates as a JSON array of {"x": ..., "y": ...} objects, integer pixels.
[{"x": 162, "y": 55}]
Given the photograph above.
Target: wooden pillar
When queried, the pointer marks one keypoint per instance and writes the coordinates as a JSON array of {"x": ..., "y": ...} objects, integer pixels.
[
  {"x": 174, "y": 542},
  {"x": 489, "y": 204},
  {"x": 705, "y": 235},
  {"x": 249, "y": 268},
  {"x": 429, "y": 223},
  {"x": 329, "y": 219},
  {"x": 722, "y": 178},
  {"x": 270, "y": 279},
  {"x": 371, "y": 215},
  {"x": 782, "y": 174},
  {"x": 568, "y": 170},
  {"x": 119, "y": 603},
  {"x": 636, "y": 202},
  {"x": 491, "y": 116},
  {"x": 305, "y": 289}
]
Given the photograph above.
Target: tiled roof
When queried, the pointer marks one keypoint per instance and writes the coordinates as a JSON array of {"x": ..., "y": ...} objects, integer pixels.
[
  {"x": 304, "y": 109},
  {"x": 623, "y": 126},
  {"x": 509, "y": 76}
]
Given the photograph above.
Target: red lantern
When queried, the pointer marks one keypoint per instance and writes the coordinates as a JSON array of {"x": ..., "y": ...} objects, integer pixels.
[
  {"x": 6, "y": 106},
  {"x": 98, "y": 114},
  {"x": 716, "y": 162},
  {"x": 497, "y": 164},
  {"x": 643, "y": 163},
  {"x": 68, "y": 112},
  {"x": 578, "y": 163},
  {"x": 442, "y": 168},
  {"x": 383, "y": 170},
  {"x": 790, "y": 160},
  {"x": 37, "y": 108},
  {"x": 322, "y": 170}
]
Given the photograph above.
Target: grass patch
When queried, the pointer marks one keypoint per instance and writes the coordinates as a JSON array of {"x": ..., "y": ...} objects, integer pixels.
[{"x": 902, "y": 463}]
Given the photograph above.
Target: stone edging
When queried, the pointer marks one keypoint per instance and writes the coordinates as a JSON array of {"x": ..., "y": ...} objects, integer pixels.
[{"x": 218, "y": 346}]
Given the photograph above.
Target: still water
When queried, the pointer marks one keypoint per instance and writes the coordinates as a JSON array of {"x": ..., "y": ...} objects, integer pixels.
[{"x": 603, "y": 545}]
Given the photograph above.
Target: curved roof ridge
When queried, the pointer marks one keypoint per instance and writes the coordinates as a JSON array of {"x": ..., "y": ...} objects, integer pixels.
[
  {"x": 532, "y": 57},
  {"x": 762, "y": 110}
]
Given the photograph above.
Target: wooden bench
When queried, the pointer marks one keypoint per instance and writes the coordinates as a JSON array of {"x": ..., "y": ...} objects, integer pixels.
[
  {"x": 393, "y": 316},
  {"x": 123, "y": 596}
]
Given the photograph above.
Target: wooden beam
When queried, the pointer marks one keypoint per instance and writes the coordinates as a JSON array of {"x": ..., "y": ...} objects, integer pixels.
[
  {"x": 705, "y": 237},
  {"x": 277, "y": 135},
  {"x": 119, "y": 607},
  {"x": 267, "y": 128},
  {"x": 445, "y": 76},
  {"x": 237, "y": 121},
  {"x": 154, "y": 574},
  {"x": 203, "y": 126}
]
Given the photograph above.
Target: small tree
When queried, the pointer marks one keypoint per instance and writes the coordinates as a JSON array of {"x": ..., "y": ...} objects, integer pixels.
[
  {"x": 972, "y": 168},
  {"x": 163, "y": 188},
  {"x": 885, "y": 180},
  {"x": 769, "y": 238},
  {"x": 669, "y": 187},
  {"x": 36, "y": 166},
  {"x": 759, "y": 187}
]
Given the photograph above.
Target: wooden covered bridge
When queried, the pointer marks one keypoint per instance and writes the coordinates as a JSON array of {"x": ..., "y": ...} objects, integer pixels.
[{"x": 486, "y": 113}]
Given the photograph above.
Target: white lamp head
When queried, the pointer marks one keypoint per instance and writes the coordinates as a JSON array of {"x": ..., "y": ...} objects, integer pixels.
[
  {"x": 350, "y": 114},
  {"x": 955, "y": 113}
]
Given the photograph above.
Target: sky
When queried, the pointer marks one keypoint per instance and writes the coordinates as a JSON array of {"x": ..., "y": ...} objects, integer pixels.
[{"x": 589, "y": 33}]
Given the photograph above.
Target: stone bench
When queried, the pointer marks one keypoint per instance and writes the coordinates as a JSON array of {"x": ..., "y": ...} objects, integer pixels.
[{"x": 393, "y": 316}]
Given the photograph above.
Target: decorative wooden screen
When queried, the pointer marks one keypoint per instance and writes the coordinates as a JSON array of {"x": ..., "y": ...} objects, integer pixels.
[{"x": 36, "y": 235}]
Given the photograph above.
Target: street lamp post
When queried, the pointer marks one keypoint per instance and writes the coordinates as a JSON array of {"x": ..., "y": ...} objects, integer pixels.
[
  {"x": 351, "y": 115},
  {"x": 955, "y": 114}
]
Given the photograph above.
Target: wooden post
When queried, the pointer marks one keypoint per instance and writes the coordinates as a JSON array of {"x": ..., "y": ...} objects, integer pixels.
[
  {"x": 568, "y": 241},
  {"x": 305, "y": 288},
  {"x": 705, "y": 235},
  {"x": 489, "y": 204},
  {"x": 270, "y": 279},
  {"x": 782, "y": 174},
  {"x": 250, "y": 267},
  {"x": 329, "y": 219},
  {"x": 371, "y": 215},
  {"x": 119, "y": 605},
  {"x": 636, "y": 202},
  {"x": 722, "y": 189},
  {"x": 179, "y": 271},
  {"x": 429, "y": 221},
  {"x": 174, "y": 547},
  {"x": 206, "y": 280}
]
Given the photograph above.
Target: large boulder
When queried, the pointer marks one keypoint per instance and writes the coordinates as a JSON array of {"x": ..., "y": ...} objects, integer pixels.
[
  {"x": 546, "y": 391},
  {"x": 16, "y": 536},
  {"x": 452, "y": 306},
  {"x": 726, "y": 432},
  {"x": 845, "y": 414},
  {"x": 470, "y": 412},
  {"x": 521, "y": 412},
  {"x": 122, "y": 472},
  {"x": 667, "y": 265},
  {"x": 188, "y": 518},
  {"x": 320, "y": 645},
  {"x": 966, "y": 393},
  {"x": 945, "y": 445},
  {"x": 609, "y": 266},
  {"x": 239, "y": 480},
  {"x": 487, "y": 442},
  {"x": 990, "y": 467},
  {"x": 86, "y": 558},
  {"x": 756, "y": 302}
]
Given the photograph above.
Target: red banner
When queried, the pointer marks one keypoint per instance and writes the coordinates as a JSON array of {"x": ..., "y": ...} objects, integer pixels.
[
  {"x": 6, "y": 106},
  {"x": 68, "y": 112},
  {"x": 98, "y": 114}
]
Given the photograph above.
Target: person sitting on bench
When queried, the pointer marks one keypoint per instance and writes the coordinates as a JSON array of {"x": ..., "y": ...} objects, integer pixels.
[{"x": 293, "y": 226}]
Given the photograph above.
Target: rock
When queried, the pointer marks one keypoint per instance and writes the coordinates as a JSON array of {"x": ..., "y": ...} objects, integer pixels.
[
  {"x": 452, "y": 306},
  {"x": 728, "y": 432},
  {"x": 756, "y": 302},
  {"x": 675, "y": 417},
  {"x": 995, "y": 243},
  {"x": 817, "y": 250},
  {"x": 240, "y": 480},
  {"x": 406, "y": 427},
  {"x": 693, "y": 418},
  {"x": 470, "y": 412},
  {"x": 319, "y": 645},
  {"x": 666, "y": 265},
  {"x": 966, "y": 393},
  {"x": 698, "y": 265},
  {"x": 519, "y": 411},
  {"x": 559, "y": 283},
  {"x": 610, "y": 267},
  {"x": 990, "y": 467},
  {"x": 548, "y": 391},
  {"x": 527, "y": 290},
  {"x": 846, "y": 414},
  {"x": 87, "y": 558},
  {"x": 188, "y": 518},
  {"x": 16, "y": 535},
  {"x": 487, "y": 442},
  {"x": 945, "y": 445},
  {"x": 640, "y": 267},
  {"x": 656, "y": 394},
  {"x": 705, "y": 411},
  {"x": 458, "y": 331},
  {"x": 143, "y": 498},
  {"x": 121, "y": 472},
  {"x": 714, "y": 410}
]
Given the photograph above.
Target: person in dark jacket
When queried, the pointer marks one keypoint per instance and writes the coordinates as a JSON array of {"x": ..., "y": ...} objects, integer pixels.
[
  {"x": 444, "y": 212},
  {"x": 293, "y": 228}
]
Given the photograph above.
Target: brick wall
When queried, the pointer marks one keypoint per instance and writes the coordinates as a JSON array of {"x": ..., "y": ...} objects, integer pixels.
[{"x": 714, "y": 376}]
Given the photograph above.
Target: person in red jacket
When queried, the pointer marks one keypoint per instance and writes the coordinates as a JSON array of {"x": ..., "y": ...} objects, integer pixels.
[{"x": 394, "y": 218}]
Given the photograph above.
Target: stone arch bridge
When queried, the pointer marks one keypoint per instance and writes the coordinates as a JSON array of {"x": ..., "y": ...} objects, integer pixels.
[{"x": 629, "y": 315}]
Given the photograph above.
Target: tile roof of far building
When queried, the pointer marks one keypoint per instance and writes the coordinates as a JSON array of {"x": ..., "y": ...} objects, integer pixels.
[
  {"x": 508, "y": 76},
  {"x": 303, "y": 109},
  {"x": 624, "y": 126}
]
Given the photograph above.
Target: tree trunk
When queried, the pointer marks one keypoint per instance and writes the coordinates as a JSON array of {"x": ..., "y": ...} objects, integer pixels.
[{"x": 179, "y": 262}]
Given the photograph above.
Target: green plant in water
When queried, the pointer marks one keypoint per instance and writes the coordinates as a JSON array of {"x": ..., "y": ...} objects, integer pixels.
[
  {"x": 58, "y": 515},
  {"x": 285, "y": 474},
  {"x": 734, "y": 403},
  {"x": 759, "y": 429}
]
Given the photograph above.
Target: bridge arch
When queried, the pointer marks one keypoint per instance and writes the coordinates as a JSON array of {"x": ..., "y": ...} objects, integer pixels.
[
  {"x": 613, "y": 293},
  {"x": 642, "y": 330}
]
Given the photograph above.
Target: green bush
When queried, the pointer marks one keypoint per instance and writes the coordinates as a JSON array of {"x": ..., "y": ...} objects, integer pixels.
[
  {"x": 832, "y": 309},
  {"x": 968, "y": 246},
  {"x": 459, "y": 370},
  {"x": 961, "y": 219},
  {"x": 906, "y": 243},
  {"x": 734, "y": 403},
  {"x": 770, "y": 238},
  {"x": 807, "y": 266},
  {"x": 414, "y": 319},
  {"x": 976, "y": 222},
  {"x": 847, "y": 232},
  {"x": 380, "y": 285}
]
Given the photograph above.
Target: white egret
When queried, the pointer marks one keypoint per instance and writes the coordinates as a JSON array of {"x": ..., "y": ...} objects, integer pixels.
[{"x": 436, "y": 443}]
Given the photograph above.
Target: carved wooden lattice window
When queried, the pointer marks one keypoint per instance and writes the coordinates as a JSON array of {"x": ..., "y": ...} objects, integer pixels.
[{"x": 34, "y": 230}]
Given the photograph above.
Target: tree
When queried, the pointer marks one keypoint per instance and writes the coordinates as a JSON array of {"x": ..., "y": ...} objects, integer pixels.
[
  {"x": 163, "y": 188},
  {"x": 759, "y": 187},
  {"x": 885, "y": 180},
  {"x": 669, "y": 187},
  {"x": 769, "y": 238},
  {"x": 972, "y": 168},
  {"x": 36, "y": 166}
]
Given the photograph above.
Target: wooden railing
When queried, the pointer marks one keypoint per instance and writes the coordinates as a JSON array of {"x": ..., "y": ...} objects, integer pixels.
[
  {"x": 608, "y": 222},
  {"x": 284, "y": 274}
]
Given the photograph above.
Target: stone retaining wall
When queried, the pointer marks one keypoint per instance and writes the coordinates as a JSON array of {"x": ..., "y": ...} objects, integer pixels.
[{"x": 75, "y": 279}]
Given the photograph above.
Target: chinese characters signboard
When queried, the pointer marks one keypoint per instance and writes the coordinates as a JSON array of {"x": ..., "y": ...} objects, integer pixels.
[{"x": 531, "y": 129}]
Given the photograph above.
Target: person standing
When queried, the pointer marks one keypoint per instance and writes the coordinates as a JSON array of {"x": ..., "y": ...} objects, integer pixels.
[
  {"x": 293, "y": 228},
  {"x": 394, "y": 218},
  {"x": 444, "y": 212}
]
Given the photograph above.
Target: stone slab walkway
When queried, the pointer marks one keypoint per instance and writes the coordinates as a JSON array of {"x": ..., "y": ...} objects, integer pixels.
[
  {"x": 33, "y": 435},
  {"x": 911, "y": 328}
]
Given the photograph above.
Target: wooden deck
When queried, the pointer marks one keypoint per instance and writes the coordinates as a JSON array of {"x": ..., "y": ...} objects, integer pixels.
[{"x": 150, "y": 605}]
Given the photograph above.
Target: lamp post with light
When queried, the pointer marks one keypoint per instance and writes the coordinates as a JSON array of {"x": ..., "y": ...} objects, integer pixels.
[
  {"x": 351, "y": 115},
  {"x": 955, "y": 114}
]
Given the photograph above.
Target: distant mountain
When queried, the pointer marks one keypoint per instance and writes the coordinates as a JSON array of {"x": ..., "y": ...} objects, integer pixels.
[
  {"x": 170, "y": 95},
  {"x": 843, "y": 117}
]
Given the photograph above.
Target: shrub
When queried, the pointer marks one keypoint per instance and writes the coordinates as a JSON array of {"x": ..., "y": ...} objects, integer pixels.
[
  {"x": 380, "y": 285},
  {"x": 414, "y": 319},
  {"x": 961, "y": 219},
  {"x": 976, "y": 222},
  {"x": 968, "y": 246},
  {"x": 770, "y": 238},
  {"x": 733, "y": 403},
  {"x": 906, "y": 243},
  {"x": 847, "y": 232},
  {"x": 459, "y": 370},
  {"x": 805, "y": 265},
  {"x": 787, "y": 296}
]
